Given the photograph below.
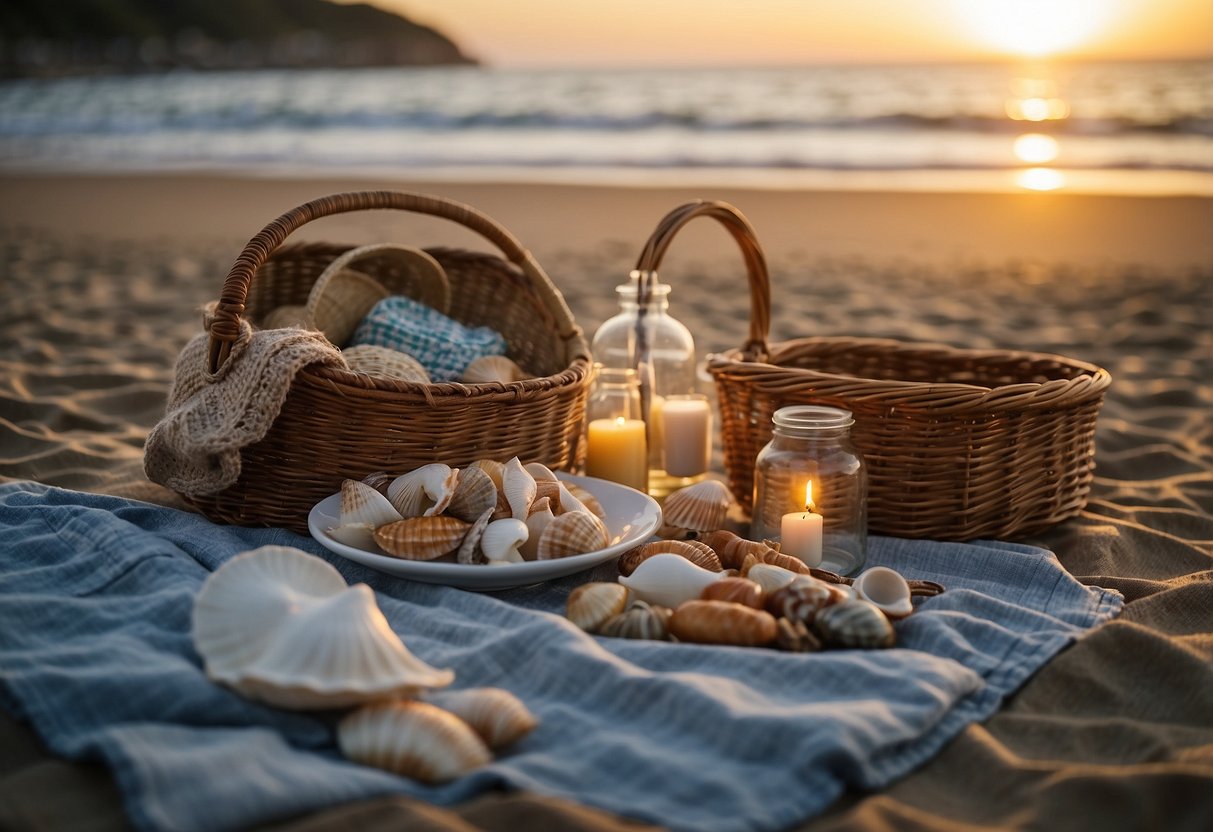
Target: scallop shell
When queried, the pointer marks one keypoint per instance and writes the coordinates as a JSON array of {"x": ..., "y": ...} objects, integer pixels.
[
  {"x": 291, "y": 315},
  {"x": 886, "y": 589},
  {"x": 640, "y": 621},
  {"x": 722, "y": 622},
  {"x": 412, "y": 739},
  {"x": 586, "y": 499},
  {"x": 854, "y": 623},
  {"x": 694, "y": 551},
  {"x": 379, "y": 480},
  {"x": 469, "y": 550},
  {"x": 493, "y": 368},
  {"x": 502, "y": 539},
  {"x": 733, "y": 551},
  {"x": 701, "y": 507},
  {"x": 334, "y": 653},
  {"x": 384, "y": 362},
  {"x": 241, "y": 604},
  {"x": 572, "y": 533},
  {"x": 422, "y": 538},
  {"x": 738, "y": 590},
  {"x": 474, "y": 494},
  {"x": 518, "y": 487},
  {"x": 497, "y": 716},
  {"x": 769, "y": 577},
  {"x": 425, "y": 491},
  {"x": 363, "y": 509},
  {"x": 667, "y": 580},
  {"x": 493, "y": 468},
  {"x": 340, "y": 299},
  {"x": 536, "y": 522},
  {"x": 801, "y": 599},
  {"x": 589, "y": 606}
]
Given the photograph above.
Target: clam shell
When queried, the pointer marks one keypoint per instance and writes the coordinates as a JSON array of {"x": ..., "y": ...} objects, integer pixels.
[
  {"x": 722, "y": 622},
  {"x": 241, "y": 605},
  {"x": 502, "y": 540},
  {"x": 497, "y": 716},
  {"x": 334, "y": 653},
  {"x": 363, "y": 509},
  {"x": 800, "y": 599},
  {"x": 425, "y": 491},
  {"x": 697, "y": 553},
  {"x": 493, "y": 368},
  {"x": 668, "y": 580},
  {"x": 340, "y": 299},
  {"x": 769, "y": 577},
  {"x": 519, "y": 489},
  {"x": 796, "y": 637},
  {"x": 572, "y": 533},
  {"x": 281, "y": 317},
  {"x": 493, "y": 468},
  {"x": 536, "y": 522},
  {"x": 412, "y": 739},
  {"x": 422, "y": 538},
  {"x": 856, "y": 623},
  {"x": 384, "y": 362},
  {"x": 469, "y": 550},
  {"x": 586, "y": 499},
  {"x": 738, "y": 590},
  {"x": 474, "y": 494},
  {"x": 589, "y": 606},
  {"x": 701, "y": 507},
  {"x": 640, "y": 621},
  {"x": 886, "y": 589},
  {"x": 379, "y": 480}
]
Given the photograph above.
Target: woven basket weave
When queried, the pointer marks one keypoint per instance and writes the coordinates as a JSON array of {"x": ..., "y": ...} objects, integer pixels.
[
  {"x": 337, "y": 424},
  {"x": 959, "y": 444}
]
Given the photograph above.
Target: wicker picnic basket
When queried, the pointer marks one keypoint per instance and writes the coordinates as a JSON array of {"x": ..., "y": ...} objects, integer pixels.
[
  {"x": 959, "y": 444},
  {"x": 337, "y": 424}
]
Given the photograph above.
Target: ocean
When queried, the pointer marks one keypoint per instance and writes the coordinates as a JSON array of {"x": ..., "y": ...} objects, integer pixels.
[{"x": 1119, "y": 127}]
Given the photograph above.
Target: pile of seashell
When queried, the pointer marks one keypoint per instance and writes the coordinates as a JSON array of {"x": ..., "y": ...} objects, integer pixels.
[
  {"x": 282, "y": 627},
  {"x": 722, "y": 589},
  {"x": 486, "y": 513}
]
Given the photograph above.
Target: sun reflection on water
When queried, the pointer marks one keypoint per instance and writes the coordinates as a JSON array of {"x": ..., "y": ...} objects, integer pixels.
[{"x": 1036, "y": 98}]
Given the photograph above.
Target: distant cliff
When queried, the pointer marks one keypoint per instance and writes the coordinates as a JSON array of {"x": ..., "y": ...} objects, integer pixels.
[{"x": 70, "y": 37}]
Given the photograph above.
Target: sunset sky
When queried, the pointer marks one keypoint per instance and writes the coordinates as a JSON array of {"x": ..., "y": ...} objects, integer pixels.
[{"x": 779, "y": 32}]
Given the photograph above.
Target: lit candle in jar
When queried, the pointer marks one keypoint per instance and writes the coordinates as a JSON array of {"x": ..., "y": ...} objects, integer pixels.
[
  {"x": 616, "y": 451},
  {"x": 800, "y": 532},
  {"x": 686, "y": 428}
]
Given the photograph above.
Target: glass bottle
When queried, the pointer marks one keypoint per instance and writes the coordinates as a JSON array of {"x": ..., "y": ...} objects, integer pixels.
[
  {"x": 645, "y": 329},
  {"x": 811, "y": 489},
  {"x": 616, "y": 449}
]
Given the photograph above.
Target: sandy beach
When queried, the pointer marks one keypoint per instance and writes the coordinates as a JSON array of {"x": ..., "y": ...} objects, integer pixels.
[{"x": 103, "y": 277}]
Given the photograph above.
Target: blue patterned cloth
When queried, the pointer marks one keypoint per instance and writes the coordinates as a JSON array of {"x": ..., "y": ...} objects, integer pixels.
[
  {"x": 444, "y": 346},
  {"x": 95, "y": 602}
]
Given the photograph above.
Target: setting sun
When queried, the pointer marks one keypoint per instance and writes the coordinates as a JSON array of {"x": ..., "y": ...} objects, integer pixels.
[{"x": 1037, "y": 28}]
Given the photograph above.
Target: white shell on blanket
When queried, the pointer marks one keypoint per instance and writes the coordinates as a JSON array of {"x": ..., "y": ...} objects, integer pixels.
[{"x": 281, "y": 626}]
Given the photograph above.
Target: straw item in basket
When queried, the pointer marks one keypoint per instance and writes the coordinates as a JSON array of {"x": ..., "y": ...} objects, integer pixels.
[
  {"x": 385, "y": 363},
  {"x": 959, "y": 443},
  {"x": 358, "y": 279},
  {"x": 336, "y": 424}
]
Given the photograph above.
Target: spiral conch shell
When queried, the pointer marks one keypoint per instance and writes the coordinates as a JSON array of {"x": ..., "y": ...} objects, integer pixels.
[
  {"x": 518, "y": 488},
  {"x": 734, "y": 550},
  {"x": 668, "y": 580},
  {"x": 413, "y": 739},
  {"x": 281, "y": 626},
  {"x": 496, "y": 715},
  {"x": 855, "y": 623},
  {"x": 640, "y": 620},
  {"x": 424, "y": 491},
  {"x": 694, "y": 551},
  {"x": 502, "y": 540}
]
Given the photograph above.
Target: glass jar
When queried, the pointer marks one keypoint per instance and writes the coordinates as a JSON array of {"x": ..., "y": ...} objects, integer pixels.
[
  {"x": 811, "y": 489},
  {"x": 645, "y": 337},
  {"x": 616, "y": 447}
]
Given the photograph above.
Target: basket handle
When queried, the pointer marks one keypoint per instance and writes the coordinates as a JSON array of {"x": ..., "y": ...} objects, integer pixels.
[
  {"x": 734, "y": 221},
  {"x": 225, "y": 325}
]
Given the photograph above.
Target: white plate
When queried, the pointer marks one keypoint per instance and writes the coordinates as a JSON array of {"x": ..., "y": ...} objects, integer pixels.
[{"x": 631, "y": 517}]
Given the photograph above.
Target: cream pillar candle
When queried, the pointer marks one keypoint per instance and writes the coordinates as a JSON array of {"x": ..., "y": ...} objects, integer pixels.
[
  {"x": 800, "y": 532},
  {"x": 616, "y": 451},
  {"x": 686, "y": 430}
]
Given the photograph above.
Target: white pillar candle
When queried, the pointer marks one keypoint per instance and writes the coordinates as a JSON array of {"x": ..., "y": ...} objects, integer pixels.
[
  {"x": 686, "y": 431},
  {"x": 800, "y": 532},
  {"x": 616, "y": 451}
]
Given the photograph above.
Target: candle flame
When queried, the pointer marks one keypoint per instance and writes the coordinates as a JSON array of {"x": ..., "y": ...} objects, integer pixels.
[
  {"x": 619, "y": 420},
  {"x": 809, "y": 505}
]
